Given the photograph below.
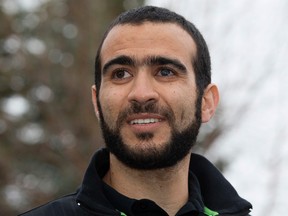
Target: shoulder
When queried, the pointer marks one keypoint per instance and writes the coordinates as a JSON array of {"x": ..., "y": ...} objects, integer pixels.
[
  {"x": 217, "y": 192},
  {"x": 66, "y": 205}
]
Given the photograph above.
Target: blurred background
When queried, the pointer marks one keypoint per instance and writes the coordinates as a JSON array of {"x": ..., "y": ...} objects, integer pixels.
[{"x": 48, "y": 131}]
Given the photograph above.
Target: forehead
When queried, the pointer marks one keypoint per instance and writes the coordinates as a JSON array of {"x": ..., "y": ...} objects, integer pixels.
[{"x": 157, "y": 39}]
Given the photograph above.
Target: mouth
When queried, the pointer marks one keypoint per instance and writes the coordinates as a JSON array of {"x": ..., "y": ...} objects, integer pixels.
[
  {"x": 141, "y": 121},
  {"x": 145, "y": 123},
  {"x": 144, "y": 119}
]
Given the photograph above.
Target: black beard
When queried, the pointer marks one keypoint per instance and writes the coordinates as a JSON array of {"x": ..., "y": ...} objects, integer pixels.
[{"x": 173, "y": 151}]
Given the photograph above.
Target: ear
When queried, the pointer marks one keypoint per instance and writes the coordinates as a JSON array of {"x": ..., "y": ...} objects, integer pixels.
[
  {"x": 94, "y": 101},
  {"x": 210, "y": 102}
]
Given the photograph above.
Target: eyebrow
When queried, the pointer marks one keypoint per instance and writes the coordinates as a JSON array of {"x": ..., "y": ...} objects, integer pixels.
[
  {"x": 161, "y": 60},
  {"x": 120, "y": 60},
  {"x": 150, "y": 61}
]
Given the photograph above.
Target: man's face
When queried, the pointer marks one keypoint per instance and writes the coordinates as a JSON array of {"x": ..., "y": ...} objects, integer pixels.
[{"x": 148, "y": 94}]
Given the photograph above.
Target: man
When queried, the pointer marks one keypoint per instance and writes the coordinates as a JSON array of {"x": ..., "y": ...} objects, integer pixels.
[{"x": 152, "y": 91}]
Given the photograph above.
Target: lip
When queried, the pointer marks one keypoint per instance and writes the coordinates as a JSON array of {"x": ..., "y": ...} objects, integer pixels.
[{"x": 145, "y": 125}]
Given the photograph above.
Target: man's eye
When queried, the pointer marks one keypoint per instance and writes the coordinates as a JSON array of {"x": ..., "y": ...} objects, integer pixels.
[
  {"x": 121, "y": 74},
  {"x": 165, "y": 72}
]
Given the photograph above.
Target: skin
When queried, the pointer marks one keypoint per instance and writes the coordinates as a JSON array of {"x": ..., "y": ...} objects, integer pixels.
[{"x": 170, "y": 85}]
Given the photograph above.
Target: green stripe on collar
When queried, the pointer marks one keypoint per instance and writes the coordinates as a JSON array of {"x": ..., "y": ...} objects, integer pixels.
[
  {"x": 209, "y": 212},
  {"x": 121, "y": 213}
]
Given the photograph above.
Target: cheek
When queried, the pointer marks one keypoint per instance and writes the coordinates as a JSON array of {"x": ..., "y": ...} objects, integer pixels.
[
  {"x": 111, "y": 103},
  {"x": 185, "y": 114},
  {"x": 184, "y": 109},
  {"x": 108, "y": 108}
]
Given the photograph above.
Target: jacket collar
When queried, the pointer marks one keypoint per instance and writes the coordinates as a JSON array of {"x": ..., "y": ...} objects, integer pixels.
[
  {"x": 91, "y": 193},
  {"x": 218, "y": 194},
  {"x": 209, "y": 185}
]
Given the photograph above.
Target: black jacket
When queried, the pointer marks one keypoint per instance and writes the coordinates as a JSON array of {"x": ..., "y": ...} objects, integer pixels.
[{"x": 210, "y": 194}]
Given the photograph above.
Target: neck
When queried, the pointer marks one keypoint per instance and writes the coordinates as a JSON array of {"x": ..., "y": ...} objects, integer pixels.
[{"x": 168, "y": 187}]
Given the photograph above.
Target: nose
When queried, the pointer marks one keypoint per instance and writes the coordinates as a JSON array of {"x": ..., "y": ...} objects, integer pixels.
[{"x": 143, "y": 89}]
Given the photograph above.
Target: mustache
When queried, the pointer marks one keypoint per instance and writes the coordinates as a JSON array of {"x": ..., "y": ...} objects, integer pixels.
[{"x": 148, "y": 107}]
